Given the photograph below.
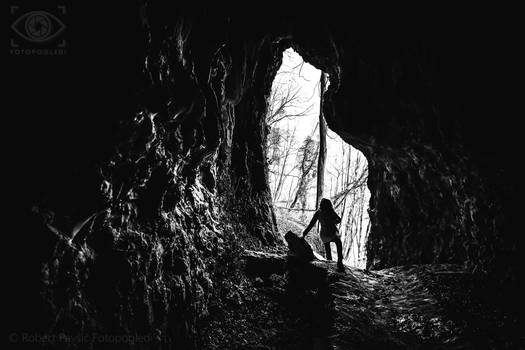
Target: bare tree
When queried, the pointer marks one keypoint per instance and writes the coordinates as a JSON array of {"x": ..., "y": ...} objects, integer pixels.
[
  {"x": 285, "y": 101},
  {"x": 356, "y": 183},
  {"x": 322, "y": 143},
  {"x": 306, "y": 157},
  {"x": 281, "y": 146},
  {"x": 292, "y": 169},
  {"x": 351, "y": 197}
]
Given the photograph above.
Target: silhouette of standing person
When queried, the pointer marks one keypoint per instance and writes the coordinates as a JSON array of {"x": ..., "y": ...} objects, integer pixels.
[{"x": 328, "y": 219}]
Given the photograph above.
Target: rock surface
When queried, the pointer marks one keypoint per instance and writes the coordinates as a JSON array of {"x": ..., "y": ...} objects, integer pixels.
[
  {"x": 298, "y": 247},
  {"x": 314, "y": 306},
  {"x": 142, "y": 171}
]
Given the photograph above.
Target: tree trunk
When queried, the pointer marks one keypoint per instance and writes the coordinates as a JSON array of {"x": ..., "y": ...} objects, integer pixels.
[
  {"x": 322, "y": 144},
  {"x": 288, "y": 147}
]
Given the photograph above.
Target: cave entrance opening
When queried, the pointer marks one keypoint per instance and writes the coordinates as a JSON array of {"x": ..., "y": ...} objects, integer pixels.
[{"x": 294, "y": 150}]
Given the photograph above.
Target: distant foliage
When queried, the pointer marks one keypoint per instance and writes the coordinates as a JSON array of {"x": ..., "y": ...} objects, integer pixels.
[{"x": 307, "y": 166}]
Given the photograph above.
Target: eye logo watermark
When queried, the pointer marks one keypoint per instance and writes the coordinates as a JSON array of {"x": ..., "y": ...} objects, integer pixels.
[
  {"x": 38, "y": 26},
  {"x": 38, "y": 32}
]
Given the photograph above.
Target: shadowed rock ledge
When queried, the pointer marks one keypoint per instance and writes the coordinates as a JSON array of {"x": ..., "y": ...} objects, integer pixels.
[{"x": 440, "y": 306}]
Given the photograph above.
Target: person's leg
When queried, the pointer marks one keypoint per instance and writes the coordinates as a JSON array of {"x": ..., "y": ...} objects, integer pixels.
[
  {"x": 339, "y": 246},
  {"x": 328, "y": 251}
]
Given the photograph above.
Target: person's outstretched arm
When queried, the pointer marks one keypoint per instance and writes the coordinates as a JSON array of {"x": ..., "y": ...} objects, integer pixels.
[{"x": 310, "y": 225}]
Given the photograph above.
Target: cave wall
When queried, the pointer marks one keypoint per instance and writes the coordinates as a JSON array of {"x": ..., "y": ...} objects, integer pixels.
[
  {"x": 429, "y": 110},
  {"x": 420, "y": 105},
  {"x": 136, "y": 203},
  {"x": 134, "y": 187}
]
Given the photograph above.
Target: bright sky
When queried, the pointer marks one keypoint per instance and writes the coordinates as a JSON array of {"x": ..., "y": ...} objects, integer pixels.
[
  {"x": 308, "y": 81},
  {"x": 307, "y": 77}
]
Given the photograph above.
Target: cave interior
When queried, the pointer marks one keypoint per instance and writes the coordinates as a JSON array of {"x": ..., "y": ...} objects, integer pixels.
[{"x": 143, "y": 189}]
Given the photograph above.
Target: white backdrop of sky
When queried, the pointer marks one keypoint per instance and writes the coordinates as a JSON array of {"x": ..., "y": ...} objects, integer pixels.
[{"x": 307, "y": 77}]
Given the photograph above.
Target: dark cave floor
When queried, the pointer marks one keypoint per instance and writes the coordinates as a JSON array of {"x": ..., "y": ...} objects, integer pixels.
[{"x": 279, "y": 304}]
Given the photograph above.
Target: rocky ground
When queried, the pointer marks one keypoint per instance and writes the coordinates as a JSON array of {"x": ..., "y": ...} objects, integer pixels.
[{"x": 276, "y": 303}]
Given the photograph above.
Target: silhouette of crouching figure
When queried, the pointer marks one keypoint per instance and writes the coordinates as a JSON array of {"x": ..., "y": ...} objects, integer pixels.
[
  {"x": 299, "y": 248},
  {"x": 328, "y": 220}
]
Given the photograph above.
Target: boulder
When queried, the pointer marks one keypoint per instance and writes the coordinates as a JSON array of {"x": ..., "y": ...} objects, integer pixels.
[{"x": 298, "y": 247}]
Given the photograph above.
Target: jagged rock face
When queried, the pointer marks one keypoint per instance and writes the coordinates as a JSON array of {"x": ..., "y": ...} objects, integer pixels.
[
  {"x": 131, "y": 211},
  {"x": 434, "y": 199},
  {"x": 129, "y": 228},
  {"x": 398, "y": 98}
]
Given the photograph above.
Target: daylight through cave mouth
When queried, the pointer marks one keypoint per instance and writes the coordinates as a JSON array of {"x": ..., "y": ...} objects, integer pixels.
[{"x": 295, "y": 154}]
